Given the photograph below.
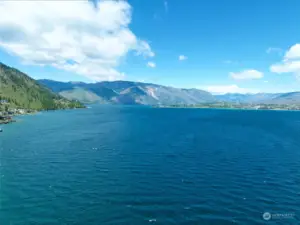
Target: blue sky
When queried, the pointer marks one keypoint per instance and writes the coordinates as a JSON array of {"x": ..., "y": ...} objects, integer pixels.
[{"x": 216, "y": 45}]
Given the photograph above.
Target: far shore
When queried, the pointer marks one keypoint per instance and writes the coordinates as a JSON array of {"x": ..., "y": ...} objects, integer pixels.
[{"x": 261, "y": 107}]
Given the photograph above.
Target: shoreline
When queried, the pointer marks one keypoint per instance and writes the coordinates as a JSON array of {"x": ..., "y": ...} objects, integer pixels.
[
  {"x": 246, "y": 109},
  {"x": 7, "y": 121},
  {"x": 8, "y": 117}
]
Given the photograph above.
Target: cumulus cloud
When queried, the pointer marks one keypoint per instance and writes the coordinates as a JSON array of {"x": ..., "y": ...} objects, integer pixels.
[
  {"x": 286, "y": 67},
  {"x": 290, "y": 63},
  {"x": 182, "y": 57},
  {"x": 293, "y": 52},
  {"x": 151, "y": 64},
  {"x": 55, "y": 33},
  {"x": 246, "y": 75},
  {"x": 224, "y": 89}
]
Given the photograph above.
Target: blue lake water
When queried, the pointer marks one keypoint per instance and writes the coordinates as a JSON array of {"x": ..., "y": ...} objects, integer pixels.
[{"x": 139, "y": 165}]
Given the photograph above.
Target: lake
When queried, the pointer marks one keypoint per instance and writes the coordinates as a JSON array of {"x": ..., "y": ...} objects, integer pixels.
[{"x": 111, "y": 165}]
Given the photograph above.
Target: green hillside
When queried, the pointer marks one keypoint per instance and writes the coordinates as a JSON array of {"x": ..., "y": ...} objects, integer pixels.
[{"x": 21, "y": 91}]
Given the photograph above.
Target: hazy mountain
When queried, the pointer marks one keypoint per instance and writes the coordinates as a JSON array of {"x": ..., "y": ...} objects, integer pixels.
[
  {"x": 287, "y": 98},
  {"x": 247, "y": 98},
  {"x": 267, "y": 98},
  {"x": 127, "y": 92},
  {"x": 22, "y": 91}
]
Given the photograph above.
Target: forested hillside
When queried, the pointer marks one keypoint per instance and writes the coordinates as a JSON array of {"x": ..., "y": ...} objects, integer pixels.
[{"x": 19, "y": 90}]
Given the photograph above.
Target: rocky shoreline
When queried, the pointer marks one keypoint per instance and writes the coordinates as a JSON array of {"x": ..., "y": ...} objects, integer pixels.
[
  {"x": 6, "y": 117},
  {"x": 7, "y": 121}
]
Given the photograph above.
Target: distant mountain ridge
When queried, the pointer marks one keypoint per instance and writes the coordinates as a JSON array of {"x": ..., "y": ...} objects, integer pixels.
[
  {"x": 246, "y": 98},
  {"x": 263, "y": 98},
  {"x": 128, "y": 92},
  {"x": 24, "y": 92},
  {"x": 287, "y": 98}
]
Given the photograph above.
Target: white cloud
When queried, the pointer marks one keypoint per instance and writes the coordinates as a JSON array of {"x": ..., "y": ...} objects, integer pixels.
[
  {"x": 230, "y": 62},
  {"x": 182, "y": 57},
  {"x": 290, "y": 62},
  {"x": 286, "y": 67},
  {"x": 274, "y": 49},
  {"x": 293, "y": 52},
  {"x": 247, "y": 75},
  {"x": 144, "y": 49},
  {"x": 151, "y": 64},
  {"x": 223, "y": 89},
  {"x": 56, "y": 32}
]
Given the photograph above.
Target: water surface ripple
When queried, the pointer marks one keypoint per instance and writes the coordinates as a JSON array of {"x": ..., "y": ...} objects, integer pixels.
[{"x": 138, "y": 165}]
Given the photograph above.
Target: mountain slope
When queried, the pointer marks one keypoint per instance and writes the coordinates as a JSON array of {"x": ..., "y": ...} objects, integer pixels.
[
  {"x": 263, "y": 98},
  {"x": 24, "y": 92},
  {"x": 81, "y": 95},
  {"x": 127, "y": 92},
  {"x": 287, "y": 98},
  {"x": 135, "y": 95}
]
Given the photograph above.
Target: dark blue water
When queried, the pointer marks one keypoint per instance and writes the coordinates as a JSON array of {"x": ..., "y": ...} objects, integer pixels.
[{"x": 135, "y": 165}]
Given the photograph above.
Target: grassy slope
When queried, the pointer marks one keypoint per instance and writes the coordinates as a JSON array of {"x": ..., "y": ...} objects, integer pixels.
[{"x": 81, "y": 95}]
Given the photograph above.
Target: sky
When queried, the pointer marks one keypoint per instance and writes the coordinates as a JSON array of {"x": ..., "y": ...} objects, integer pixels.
[{"x": 220, "y": 46}]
